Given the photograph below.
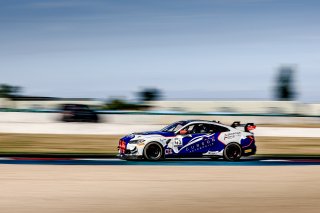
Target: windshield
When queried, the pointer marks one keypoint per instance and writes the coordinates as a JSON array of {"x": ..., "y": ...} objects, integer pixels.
[{"x": 174, "y": 127}]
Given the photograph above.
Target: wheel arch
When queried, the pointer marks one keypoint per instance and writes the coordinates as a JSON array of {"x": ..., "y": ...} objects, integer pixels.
[
  {"x": 230, "y": 144},
  {"x": 154, "y": 142},
  {"x": 234, "y": 142}
]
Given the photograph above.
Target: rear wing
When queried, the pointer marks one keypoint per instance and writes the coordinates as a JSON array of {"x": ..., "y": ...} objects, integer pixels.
[{"x": 243, "y": 127}]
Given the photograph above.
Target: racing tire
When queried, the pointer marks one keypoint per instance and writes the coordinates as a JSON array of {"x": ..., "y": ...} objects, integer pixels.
[
  {"x": 232, "y": 152},
  {"x": 153, "y": 151}
]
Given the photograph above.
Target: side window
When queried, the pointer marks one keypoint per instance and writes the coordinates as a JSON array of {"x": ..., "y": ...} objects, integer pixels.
[
  {"x": 216, "y": 128},
  {"x": 205, "y": 129},
  {"x": 177, "y": 127},
  {"x": 197, "y": 129},
  {"x": 190, "y": 129}
]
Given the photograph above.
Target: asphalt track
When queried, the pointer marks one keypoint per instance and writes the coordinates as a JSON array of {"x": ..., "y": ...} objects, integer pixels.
[
  {"x": 252, "y": 161},
  {"x": 158, "y": 189},
  {"x": 100, "y": 185}
]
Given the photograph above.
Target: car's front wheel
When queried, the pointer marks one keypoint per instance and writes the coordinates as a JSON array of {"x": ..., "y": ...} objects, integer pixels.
[
  {"x": 232, "y": 152},
  {"x": 153, "y": 151}
]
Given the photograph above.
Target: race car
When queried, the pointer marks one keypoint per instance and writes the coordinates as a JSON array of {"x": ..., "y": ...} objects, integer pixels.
[{"x": 191, "y": 138}]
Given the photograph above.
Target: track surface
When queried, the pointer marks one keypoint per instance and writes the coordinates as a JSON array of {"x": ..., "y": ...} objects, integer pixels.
[
  {"x": 158, "y": 189},
  {"x": 253, "y": 161}
]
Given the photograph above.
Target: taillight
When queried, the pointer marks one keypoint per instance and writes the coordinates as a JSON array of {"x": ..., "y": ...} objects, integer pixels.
[
  {"x": 250, "y": 127},
  {"x": 122, "y": 146}
]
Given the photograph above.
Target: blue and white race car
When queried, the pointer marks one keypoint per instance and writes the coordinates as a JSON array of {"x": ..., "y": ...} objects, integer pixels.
[{"x": 191, "y": 138}]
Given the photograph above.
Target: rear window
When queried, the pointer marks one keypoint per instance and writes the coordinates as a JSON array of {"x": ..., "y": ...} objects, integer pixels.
[{"x": 217, "y": 128}]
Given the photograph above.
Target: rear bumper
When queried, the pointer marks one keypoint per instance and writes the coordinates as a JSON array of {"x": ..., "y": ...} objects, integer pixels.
[{"x": 249, "y": 151}]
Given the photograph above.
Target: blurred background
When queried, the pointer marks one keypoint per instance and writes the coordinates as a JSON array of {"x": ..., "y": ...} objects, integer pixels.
[
  {"x": 107, "y": 68},
  {"x": 77, "y": 75}
]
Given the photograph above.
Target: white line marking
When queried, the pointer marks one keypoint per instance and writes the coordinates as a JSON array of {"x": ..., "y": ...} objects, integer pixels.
[
  {"x": 275, "y": 160},
  {"x": 97, "y": 159},
  {"x": 6, "y": 159}
]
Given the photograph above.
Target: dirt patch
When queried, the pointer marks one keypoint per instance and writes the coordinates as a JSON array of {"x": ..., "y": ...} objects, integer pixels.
[
  {"x": 45, "y": 143},
  {"x": 288, "y": 145}
]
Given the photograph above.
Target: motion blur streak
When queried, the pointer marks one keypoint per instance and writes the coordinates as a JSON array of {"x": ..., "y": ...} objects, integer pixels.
[{"x": 34, "y": 188}]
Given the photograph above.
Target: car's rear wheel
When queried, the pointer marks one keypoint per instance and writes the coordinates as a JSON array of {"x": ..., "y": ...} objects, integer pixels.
[
  {"x": 153, "y": 152},
  {"x": 232, "y": 152}
]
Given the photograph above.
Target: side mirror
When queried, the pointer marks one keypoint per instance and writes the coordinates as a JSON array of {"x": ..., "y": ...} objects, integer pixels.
[{"x": 183, "y": 132}]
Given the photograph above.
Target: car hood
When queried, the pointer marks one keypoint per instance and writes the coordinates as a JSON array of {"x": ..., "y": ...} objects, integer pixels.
[
  {"x": 127, "y": 138},
  {"x": 165, "y": 134}
]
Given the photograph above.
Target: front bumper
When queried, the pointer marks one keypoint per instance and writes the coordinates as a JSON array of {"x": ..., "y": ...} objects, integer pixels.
[
  {"x": 129, "y": 152},
  {"x": 129, "y": 156}
]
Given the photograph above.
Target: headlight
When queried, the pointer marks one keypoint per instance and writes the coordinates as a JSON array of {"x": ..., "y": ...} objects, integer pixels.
[{"x": 136, "y": 141}]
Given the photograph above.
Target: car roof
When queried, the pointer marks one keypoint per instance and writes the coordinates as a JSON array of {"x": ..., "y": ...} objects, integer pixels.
[
  {"x": 186, "y": 122},
  {"x": 198, "y": 120}
]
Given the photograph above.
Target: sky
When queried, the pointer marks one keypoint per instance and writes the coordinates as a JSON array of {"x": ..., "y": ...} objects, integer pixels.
[{"x": 189, "y": 49}]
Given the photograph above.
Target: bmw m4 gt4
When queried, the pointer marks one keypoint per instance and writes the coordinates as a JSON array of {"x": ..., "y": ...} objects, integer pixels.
[{"x": 191, "y": 138}]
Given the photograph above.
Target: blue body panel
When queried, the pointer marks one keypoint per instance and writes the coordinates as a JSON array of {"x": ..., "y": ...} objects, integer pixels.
[{"x": 195, "y": 145}]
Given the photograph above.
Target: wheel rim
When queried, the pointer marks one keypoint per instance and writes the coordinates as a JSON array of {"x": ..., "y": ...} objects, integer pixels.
[
  {"x": 153, "y": 151},
  {"x": 233, "y": 152}
]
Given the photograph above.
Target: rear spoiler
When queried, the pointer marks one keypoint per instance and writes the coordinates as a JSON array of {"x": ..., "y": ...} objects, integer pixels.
[{"x": 246, "y": 127}]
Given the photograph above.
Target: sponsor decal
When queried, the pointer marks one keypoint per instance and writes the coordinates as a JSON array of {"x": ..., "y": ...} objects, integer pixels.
[
  {"x": 212, "y": 153},
  {"x": 232, "y": 135},
  {"x": 199, "y": 145},
  {"x": 168, "y": 151}
]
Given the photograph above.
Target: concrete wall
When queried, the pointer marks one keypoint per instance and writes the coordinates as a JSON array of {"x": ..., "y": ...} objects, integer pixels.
[
  {"x": 286, "y": 107},
  {"x": 311, "y": 109},
  {"x": 28, "y": 117},
  {"x": 5, "y": 103},
  {"x": 52, "y": 104},
  {"x": 245, "y": 107}
]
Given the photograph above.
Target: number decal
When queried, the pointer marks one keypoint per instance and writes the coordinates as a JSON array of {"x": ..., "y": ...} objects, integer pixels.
[{"x": 177, "y": 142}]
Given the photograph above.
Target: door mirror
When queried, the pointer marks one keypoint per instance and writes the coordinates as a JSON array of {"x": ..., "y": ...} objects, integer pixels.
[{"x": 183, "y": 132}]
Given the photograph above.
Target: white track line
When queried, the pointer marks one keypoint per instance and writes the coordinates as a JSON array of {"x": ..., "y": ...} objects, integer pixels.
[
  {"x": 96, "y": 159},
  {"x": 6, "y": 158}
]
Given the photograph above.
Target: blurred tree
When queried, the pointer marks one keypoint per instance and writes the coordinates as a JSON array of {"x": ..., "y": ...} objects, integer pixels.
[
  {"x": 119, "y": 104},
  {"x": 149, "y": 94},
  {"x": 8, "y": 91},
  {"x": 285, "y": 90}
]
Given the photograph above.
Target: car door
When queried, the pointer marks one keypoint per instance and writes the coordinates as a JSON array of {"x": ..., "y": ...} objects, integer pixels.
[
  {"x": 194, "y": 141},
  {"x": 202, "y": 138},
  {"x": 217, "y": 135}
]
